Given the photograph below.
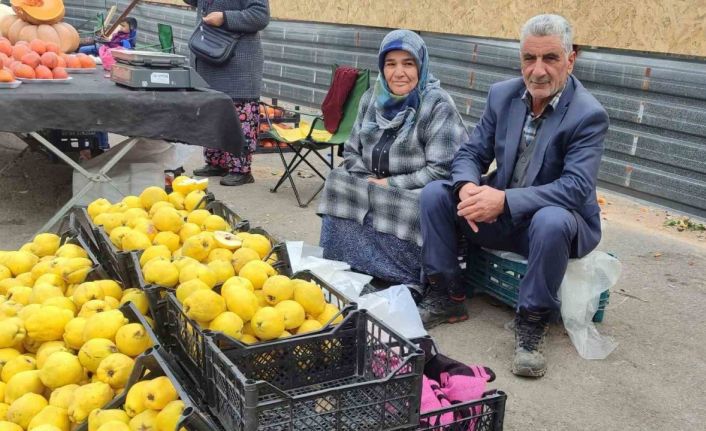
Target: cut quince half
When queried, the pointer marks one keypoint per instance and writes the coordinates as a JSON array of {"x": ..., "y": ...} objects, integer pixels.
[
  {"x": 227, "y": 240},
  {"x": 186, "y": 185}
]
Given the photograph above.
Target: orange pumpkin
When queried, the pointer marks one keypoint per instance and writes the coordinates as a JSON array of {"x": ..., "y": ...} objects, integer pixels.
[
  {"x": 39, "y": 11},
  {"x": 60, "y": 34}
]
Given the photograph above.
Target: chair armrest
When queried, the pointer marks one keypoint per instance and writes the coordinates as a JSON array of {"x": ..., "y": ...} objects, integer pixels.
[{"x": 317, "y": 119}]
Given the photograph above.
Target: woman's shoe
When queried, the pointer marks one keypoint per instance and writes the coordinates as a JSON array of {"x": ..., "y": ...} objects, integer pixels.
[
  {"x": 210, "y": 171},
  {"x": 237, "y": 179}
]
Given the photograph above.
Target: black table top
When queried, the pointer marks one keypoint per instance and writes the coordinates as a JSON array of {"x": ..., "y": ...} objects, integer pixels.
[{"x": 93, "y": 102}]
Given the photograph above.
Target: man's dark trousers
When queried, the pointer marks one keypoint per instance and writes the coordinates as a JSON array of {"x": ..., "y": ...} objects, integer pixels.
[{"x": 545, "y": 240}]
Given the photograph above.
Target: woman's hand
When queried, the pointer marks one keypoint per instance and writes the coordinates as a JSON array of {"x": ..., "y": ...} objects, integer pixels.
[
  {"x": 379, "y": 181},
  {"x": 214, "y": 19}
]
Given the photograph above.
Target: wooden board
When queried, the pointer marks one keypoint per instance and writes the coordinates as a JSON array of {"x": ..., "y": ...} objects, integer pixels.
[{"x": 665, "y": 26}]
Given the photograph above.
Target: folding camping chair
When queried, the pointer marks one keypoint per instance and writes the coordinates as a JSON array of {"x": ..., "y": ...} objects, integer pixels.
[
  {"x": 165, "y": 34},
  {"x": 313, "y": 138}
]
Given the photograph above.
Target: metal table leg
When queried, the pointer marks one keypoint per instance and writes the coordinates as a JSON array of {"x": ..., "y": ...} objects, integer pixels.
[{"x": 93, "y": 179}]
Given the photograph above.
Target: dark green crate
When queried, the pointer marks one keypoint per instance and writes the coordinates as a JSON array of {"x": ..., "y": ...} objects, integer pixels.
[{"x": 500, "y": 278}]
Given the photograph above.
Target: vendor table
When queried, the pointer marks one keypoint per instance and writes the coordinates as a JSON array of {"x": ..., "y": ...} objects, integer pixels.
[{"x": 92, "y": 102}]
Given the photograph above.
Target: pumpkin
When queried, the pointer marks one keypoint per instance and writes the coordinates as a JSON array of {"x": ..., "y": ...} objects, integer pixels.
[
  {"x": 5, "y": 10},
  {"x": 61, "y": 33},
  {"x": 39, "y": 11}
]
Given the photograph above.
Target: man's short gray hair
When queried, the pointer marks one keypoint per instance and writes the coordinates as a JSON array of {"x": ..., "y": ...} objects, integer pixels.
[{"x": 549, "y": 25}]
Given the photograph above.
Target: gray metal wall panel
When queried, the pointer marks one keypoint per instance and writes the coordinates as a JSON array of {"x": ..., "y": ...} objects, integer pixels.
[{"x": 655, "y": 148}]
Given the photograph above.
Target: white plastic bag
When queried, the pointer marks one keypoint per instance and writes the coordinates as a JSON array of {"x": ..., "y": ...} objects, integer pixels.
[
  {"x": 585, "y": 280},
  {"x": 396, "y": 308},
  {"x": 308, "y": 257}
]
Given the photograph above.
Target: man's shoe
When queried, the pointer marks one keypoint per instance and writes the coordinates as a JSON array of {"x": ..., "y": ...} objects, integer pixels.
[
  {"x": 437, "y": 308},
  {"x": 210, "y": 171},
  {"x": 237, "y": 179},
  {"x": 530, "y": 333}
]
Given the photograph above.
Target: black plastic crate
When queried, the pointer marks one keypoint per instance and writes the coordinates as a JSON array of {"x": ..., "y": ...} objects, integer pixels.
[
  {"x": 133, "y": 315},
  {"x": 120, "y": 261},
  {"x": 72, "y": 140},
  {"x": 360, "y": 376},
  {"x": 283, "y": 264},
  {"x": 150, "y": 365},
  {"x": 78, "y": 223},
  {"x": 70, "y": 235},
  {"x": 186, "y": 339},
  {"x": 484, "y": 414},
  {"x": 123, "y": 266},
  {"x": 156, "y": 294}
]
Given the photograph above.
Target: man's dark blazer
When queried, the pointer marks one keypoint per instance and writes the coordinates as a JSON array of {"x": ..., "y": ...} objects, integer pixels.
[{"x": 564, "y": 167}]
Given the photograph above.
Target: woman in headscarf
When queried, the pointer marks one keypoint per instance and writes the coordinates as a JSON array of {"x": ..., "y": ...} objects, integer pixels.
[
  {"x": 240, "y": 78},
  {"x": 405, "y": 136}
]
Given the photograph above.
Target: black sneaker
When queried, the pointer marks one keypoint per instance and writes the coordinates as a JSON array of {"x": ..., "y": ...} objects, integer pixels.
[
  {"x": 530, "y": 333},
  {"x": 437, "y": 308},
  {"x": 210, "y": 171},
  {"x": 237, "y": 179}
]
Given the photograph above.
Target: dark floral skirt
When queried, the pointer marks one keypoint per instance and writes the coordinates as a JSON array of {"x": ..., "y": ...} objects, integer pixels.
[
  {"x": 248, "y": 114},
  {"x": 366, "y": 250}
]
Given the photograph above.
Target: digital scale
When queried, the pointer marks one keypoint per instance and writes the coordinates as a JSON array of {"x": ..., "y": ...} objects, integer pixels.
[{"x": 153, "y": 70}]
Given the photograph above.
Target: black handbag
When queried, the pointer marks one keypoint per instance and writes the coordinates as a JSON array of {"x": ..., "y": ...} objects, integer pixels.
[{"x": 213, "y": 44}]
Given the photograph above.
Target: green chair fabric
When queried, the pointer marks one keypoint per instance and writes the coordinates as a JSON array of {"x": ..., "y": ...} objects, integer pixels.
[
  {"x": 165, "y": 35},
  {"x": 308, "y": 146}
]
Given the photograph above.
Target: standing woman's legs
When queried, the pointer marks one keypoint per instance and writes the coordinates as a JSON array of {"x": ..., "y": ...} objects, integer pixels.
[{"x": 239, "y": 167}]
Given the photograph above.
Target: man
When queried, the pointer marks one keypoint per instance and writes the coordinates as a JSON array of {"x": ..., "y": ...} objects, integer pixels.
[{"x": 546, "y": 133}]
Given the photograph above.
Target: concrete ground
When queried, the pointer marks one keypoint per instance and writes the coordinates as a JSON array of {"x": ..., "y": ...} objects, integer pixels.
[{"x": 655, "y": 379}]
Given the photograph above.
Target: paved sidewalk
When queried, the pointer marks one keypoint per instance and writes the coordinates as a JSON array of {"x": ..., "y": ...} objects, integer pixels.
[{"x": 656, "y": 379}]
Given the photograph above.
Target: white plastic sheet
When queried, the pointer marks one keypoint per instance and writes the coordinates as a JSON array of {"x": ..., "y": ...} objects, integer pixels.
[
  {"x": 396, "y": 308},
  {"x": 585, "y": 280},
  {"x": 580, "y": 292},
  {"x": 304, "y": 256}
]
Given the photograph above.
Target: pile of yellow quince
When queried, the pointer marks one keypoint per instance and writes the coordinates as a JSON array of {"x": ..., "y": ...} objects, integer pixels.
[
  {"x": 150, "y": 404},
  {"x": 65, "y": 347},
  {"x": 277, "y": 307}
]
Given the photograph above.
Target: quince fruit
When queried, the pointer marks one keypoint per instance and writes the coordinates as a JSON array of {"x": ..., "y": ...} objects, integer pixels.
[
  {"x": 132, "y": 339},
  {"x": 267, "y": 323}
]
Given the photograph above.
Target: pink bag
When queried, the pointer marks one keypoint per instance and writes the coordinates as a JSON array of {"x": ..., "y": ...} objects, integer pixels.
[{"x": 106, "y": 57}]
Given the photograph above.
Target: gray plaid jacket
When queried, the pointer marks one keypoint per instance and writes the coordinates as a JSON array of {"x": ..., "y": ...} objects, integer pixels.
[
  {"x": 424, "y": 156},
  {"x": 241, "y": 77}
]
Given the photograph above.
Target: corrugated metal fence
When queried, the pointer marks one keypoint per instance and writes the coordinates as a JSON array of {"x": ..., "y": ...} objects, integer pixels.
[{"x": 656, "y": 145}]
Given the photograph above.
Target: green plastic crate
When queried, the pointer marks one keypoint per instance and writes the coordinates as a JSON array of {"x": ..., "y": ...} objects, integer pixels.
[{"x": 500, "y": 278}]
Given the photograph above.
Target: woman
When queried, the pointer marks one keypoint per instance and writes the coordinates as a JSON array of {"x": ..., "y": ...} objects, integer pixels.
[
  {"x": 405, "y": 136},
  {"x": 240, "y": 78}
]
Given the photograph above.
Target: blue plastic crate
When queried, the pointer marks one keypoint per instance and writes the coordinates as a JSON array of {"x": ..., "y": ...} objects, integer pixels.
[{"x": 500, "y": 278}]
